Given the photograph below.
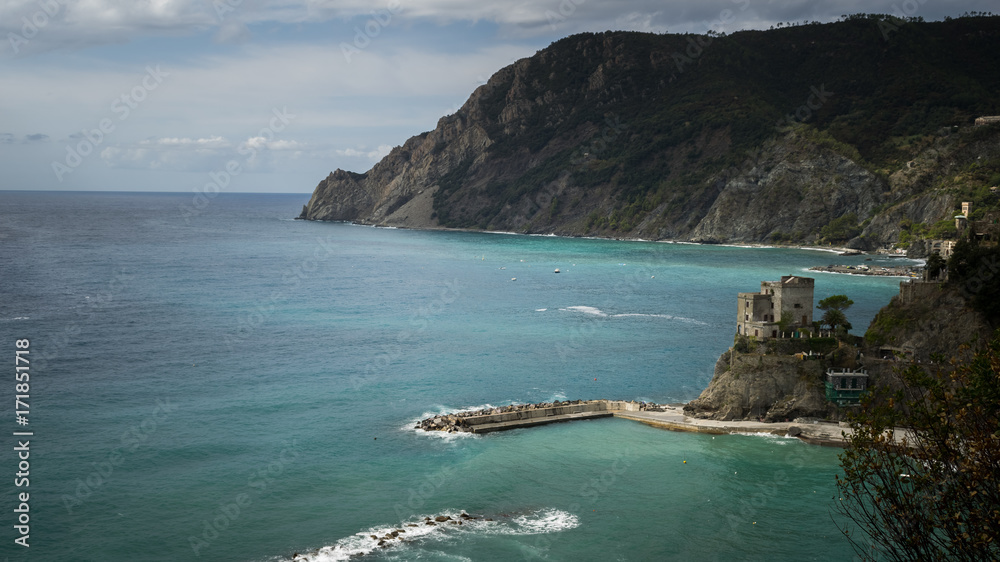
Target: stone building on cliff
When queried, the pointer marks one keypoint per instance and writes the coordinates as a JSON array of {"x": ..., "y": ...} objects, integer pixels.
[{"x": 758, "y": 314}]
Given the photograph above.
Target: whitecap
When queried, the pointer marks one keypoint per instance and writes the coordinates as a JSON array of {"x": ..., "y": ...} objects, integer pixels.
[
  {"x": 540, "y": 522},
  {"x": 362, "y": 543},
  {"x": 598, "y": 312},
  {"x": 779, "y": 439},
  {"x": 584, "y": 309},
  {"x": 540, "y": 309},
  {"x": 664, "y": 316},
  {"x": 547, "y": 520},
  {"x": 558, "y": 396},
  {"x": 412, "y": 425}
]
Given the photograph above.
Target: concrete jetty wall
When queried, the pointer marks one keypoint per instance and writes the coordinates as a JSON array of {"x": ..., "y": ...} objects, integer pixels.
[
  {"x": 526, "y": 415},
  {"x": 670, "y": 417}
]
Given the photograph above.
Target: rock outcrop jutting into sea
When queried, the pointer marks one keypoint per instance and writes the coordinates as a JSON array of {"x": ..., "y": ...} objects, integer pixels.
[
  {"x": 762, "y": 381},
  {"x": 809, "y": 134}
]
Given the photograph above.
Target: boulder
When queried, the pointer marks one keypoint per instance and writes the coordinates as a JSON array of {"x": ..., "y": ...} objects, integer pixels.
[{"x": 442, "y": 518}]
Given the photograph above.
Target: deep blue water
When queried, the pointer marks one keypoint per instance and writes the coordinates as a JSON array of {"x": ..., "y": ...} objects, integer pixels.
[{"x": 260, "y": 376}]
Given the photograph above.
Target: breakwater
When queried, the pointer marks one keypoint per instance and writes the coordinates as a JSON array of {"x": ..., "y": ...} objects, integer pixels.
[
  {"x": 526, "y": 415},
  {"x": 670, "y": 417},
  {"x": 894, "y": 271}
]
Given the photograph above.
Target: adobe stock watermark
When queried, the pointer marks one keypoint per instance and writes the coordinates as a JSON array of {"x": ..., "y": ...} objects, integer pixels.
[
  {"x": 221, "y": 178},
  {"x": 223, "y": 7},
  {"x": 579, "y": 335},
  {"x": 746, "y": 510},
  {"x": 588, "y": 495},
  {"x": 419, "y": 322},
  {"x": 988, "y": 268},
  {"x": 564, "y": 11},
  {"x": 252, "y": 320},
  {"x": 817, "y": 99},
  {"x": 260, "y": 483},
  {"x": 598, "y": 144},
  {"x": 131, "y": 439},
  {"x": 697, "y": 44},
  {"x": 122, "y": 106},
  {"x": 901, "y": 15},
  {"x": 32, "y": 25},
  {"x": 363, "y": 36},
  {"x": 52, "y": 348},
  {"x": 427, "y": 489}
]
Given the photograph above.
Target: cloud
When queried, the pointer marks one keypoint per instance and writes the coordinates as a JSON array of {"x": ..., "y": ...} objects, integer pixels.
[
  {"x": 375, "y": 155},
  {"x": 170, "y": 153},
  {"x": 204, "y": 154},
  {"x": 8, "y": 138},
  {"x": 204, "y": 143},
  {"x": 69, "y": 23},
  {"x": 73, "y": 24}
]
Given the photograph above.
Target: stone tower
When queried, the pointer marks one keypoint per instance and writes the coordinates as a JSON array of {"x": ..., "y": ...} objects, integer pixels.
[{"x": 758, "y": 314}]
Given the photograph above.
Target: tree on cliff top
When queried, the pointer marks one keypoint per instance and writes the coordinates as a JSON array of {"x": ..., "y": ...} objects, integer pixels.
[
  {"x": 834, "y": 308},
  {"x": 929, "y": 491}
]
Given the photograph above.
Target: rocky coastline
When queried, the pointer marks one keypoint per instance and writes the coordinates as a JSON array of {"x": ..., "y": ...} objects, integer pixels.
[
  {"x": 895, "y": 271},
  {"x": 396, "y": 535}
]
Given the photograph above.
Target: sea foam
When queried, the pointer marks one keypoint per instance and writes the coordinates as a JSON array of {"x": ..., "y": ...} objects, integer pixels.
[{"x": 537, "y": 522}]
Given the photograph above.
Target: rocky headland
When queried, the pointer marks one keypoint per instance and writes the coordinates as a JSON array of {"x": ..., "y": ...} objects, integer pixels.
[
  {"x": 778, "y": 380},
  {"x": 623, "y": 135}
]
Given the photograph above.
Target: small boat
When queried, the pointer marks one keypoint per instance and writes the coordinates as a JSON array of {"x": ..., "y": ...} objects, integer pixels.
[{"x": 557, "y": 270}]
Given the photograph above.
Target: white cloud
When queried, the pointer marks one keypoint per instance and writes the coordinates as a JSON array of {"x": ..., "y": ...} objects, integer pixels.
[
  {"x": 170, "y": 153},
  {"x": 215, "y": 100},
  {"x": 49, "y": 24},
  {"x": 211, "y": 142},
  {"x": 68, "y": 23},
  {"x": 375, "y": 155},
  {"x": 212, "y": 153}
]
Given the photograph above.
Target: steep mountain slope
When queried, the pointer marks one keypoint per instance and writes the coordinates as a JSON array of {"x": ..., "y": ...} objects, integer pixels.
[{"x": 804, "y": 134}]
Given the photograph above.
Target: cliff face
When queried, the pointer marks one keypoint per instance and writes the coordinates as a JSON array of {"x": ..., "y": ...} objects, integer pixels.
[
  {"x": 753, "y": 137},
  {"x": 927, "y": 320},
  {"x": 794, "y": 187},
  {"x": 398, "y": 191},
  {"x": 772, "y": 387}
]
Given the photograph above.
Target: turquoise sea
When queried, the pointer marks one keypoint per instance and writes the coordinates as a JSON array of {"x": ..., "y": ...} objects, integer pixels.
[{"x": 237, "y": 385}]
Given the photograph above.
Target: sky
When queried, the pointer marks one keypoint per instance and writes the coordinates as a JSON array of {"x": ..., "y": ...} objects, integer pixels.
[{"x": 271, "y": 96}]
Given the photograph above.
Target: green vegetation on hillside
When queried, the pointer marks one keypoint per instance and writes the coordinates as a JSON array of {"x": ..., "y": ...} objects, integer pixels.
[
  {"x": 932, "y": 496},
  {"x": 640, "y": 122}
]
